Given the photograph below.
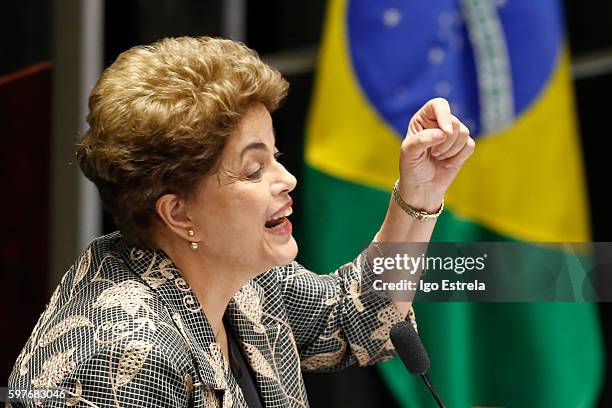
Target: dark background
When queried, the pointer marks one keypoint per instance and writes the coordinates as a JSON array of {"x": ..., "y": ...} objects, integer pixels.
[{"x": 274, "y": 26}]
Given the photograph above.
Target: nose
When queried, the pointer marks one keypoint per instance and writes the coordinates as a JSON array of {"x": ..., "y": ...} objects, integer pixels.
[{"x": 285, "y": 182}]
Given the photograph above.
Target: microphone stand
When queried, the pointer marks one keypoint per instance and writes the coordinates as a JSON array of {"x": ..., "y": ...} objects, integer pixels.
[{"x": 429, "y": 385}]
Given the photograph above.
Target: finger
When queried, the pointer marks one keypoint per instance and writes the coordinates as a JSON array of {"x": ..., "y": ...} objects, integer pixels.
[
  {"x": 442, "y": 113},
  {"x": 457, "y": 161},
  {"x": 440, "y": 150},
  {"x": 416, "y": 145},
  {"x": 434, "y": 113},
  {"x": 459, "y": 143}
]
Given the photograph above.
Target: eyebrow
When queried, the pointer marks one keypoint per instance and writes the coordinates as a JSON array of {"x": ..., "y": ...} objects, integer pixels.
[
  {"x": 253, "y": 146},
  {"x": 258, "y": 146}
]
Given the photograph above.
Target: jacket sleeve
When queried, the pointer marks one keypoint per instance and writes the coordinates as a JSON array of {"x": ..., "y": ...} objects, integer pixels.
[{"x": 339, "y": 319}]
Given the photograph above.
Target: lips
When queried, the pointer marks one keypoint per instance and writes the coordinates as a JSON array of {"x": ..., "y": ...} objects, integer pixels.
[
  {"x": 278, "y": 223},
  {"x": 280, "y": 217},
  {"x": 282, "y": 211}
]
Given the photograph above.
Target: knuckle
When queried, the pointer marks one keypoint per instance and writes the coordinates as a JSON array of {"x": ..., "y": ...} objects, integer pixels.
[
  {"x": 471, "y": 144},
  {"x": 439, "y": 100},
  {"x": 438, "y": 103}
]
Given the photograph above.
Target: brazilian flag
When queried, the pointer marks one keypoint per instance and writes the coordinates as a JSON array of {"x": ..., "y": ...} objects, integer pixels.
[{"x": 504, "y": 67}]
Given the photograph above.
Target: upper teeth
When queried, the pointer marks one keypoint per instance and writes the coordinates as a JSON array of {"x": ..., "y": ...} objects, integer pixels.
[{"x": 287, "y": 212}]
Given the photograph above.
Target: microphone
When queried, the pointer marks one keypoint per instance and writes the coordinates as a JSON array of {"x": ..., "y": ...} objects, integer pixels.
[{"x": 413, "y": 354}]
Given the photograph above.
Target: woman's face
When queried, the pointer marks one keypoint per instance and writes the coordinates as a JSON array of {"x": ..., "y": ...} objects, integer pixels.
[{"x": 239, "y": 213}]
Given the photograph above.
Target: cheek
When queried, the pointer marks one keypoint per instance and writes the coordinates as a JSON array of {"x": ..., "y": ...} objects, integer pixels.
[
  {"x": 240, "y": 216},
  {"x": 249, "y": 207}
]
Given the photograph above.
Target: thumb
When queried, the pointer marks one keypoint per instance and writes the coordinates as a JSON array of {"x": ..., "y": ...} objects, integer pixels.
[{"x": 414, "y": 146}]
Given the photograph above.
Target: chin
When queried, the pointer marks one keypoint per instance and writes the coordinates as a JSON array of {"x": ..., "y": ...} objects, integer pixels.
[{"x": 285, "y": 253}]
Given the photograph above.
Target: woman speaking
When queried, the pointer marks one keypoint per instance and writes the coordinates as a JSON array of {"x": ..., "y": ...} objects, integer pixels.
[{"x": 197, "y": 300}]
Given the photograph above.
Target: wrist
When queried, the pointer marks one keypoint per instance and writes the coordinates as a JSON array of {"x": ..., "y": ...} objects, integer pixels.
[{"x": 421, "y": 198}]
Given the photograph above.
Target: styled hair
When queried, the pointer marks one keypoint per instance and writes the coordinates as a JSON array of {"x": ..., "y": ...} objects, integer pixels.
[{"x": 159, "y": 118}]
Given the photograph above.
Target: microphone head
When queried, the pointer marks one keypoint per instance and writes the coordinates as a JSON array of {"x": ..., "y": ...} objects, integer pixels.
[{"x": 409, "y": 348}]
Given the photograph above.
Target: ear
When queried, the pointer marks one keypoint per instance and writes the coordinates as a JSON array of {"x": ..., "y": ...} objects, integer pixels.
[{"x": 173, "y": 213}]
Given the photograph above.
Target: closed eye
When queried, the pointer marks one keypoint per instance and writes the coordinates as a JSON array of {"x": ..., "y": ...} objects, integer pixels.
[{"x": 255, "y": 175}]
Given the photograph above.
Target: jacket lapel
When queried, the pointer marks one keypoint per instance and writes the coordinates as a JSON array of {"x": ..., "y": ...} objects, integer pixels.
[
  {"x": 258, "y": 337},
  {"x": 162, "y": 276}
]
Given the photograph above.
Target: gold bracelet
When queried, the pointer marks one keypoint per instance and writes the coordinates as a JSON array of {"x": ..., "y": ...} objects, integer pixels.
[{"x": 418, "y": 214}]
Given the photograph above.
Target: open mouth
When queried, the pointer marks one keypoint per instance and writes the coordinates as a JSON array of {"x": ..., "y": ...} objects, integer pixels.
[{"x": 279, "y": 222}]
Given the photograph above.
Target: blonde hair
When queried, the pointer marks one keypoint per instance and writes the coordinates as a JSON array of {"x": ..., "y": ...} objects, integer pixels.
[{"x": 160, "y": 117}]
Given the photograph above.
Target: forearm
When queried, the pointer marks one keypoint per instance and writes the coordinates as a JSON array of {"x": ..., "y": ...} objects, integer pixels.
[
  {"x": 434, "y": 149},
  {"x": 399, "y": 226}
]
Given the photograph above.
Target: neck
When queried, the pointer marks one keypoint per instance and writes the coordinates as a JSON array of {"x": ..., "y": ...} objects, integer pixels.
[{"x": 213, "y": 281}]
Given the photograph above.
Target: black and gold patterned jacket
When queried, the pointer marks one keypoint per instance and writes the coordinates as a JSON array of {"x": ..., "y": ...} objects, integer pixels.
[{"x": 124, "y": 329}]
